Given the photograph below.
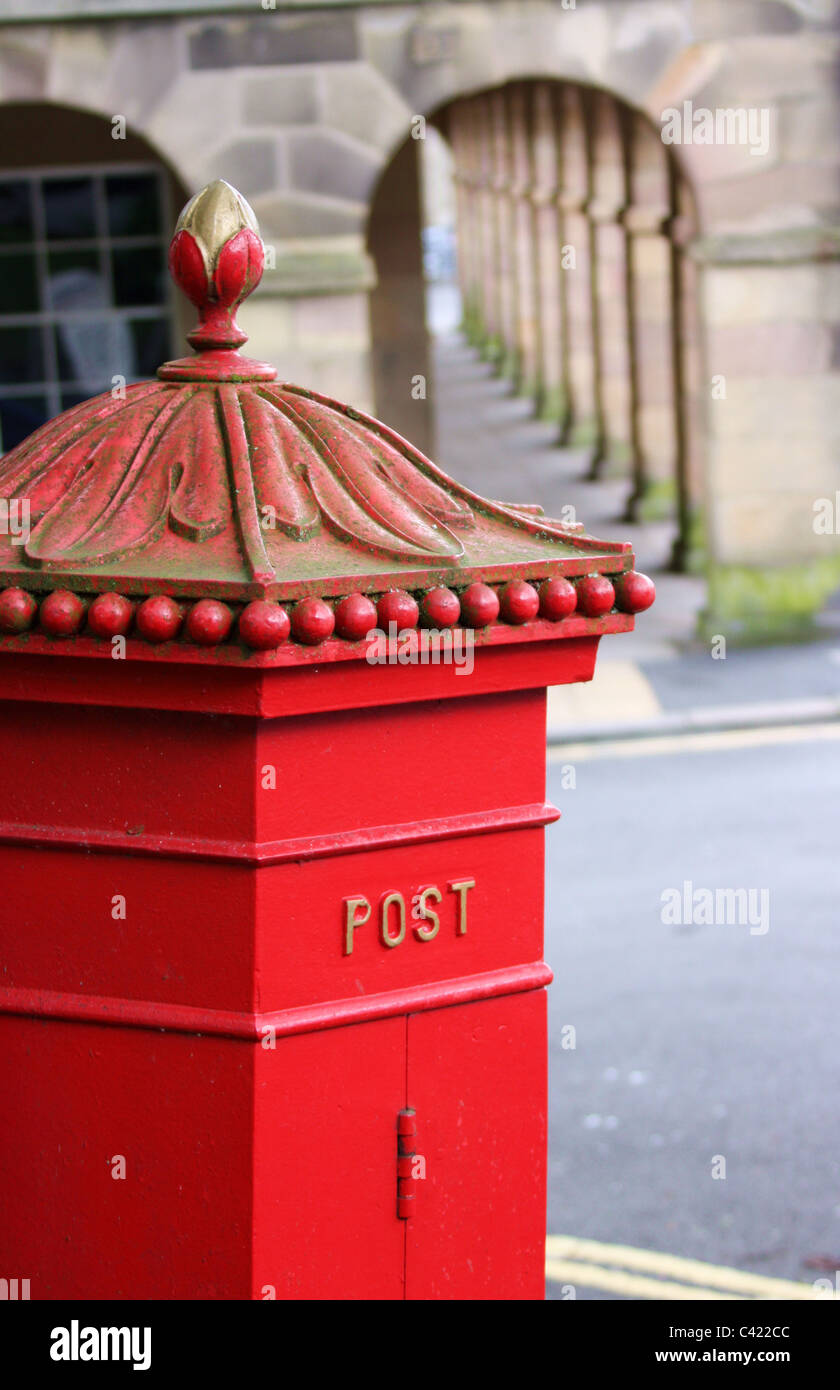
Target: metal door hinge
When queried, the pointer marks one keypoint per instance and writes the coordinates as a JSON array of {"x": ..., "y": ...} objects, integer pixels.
[{"x": 406, "y": 1155}]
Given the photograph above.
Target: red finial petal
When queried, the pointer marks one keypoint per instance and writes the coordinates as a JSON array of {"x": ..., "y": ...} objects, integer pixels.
[
  {"x": 186, "y": 265},
  {"x": 239, "y": 267}
]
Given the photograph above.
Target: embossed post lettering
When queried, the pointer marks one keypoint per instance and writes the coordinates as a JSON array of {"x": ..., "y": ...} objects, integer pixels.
[{"x": 351, "y": 920}]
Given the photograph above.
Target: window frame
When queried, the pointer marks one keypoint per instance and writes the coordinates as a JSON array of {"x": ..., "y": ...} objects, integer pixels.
[{"x": 51, "y": 387}]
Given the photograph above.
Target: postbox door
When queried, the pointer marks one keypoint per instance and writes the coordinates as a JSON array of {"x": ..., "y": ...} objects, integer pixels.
[
  {"x": 325, "y": 1224},
  {"x": 477, "y": 1081}
]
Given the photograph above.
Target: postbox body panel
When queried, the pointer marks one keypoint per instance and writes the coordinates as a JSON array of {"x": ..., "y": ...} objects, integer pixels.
[
  {"x": 433, "y": 911},
  {"x": 81, "y": 918},
  {"x": 120, "y": 1176},
  {"x": 477, "y": 1079},
  {"x": 181, "y": 934},
  {"x": 170, "y": 857},
  {"x": 324, "y": 1212}
]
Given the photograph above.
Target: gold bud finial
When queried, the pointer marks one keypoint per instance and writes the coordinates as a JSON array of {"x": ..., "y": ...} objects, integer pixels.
[{"x": 213, "y": 216}]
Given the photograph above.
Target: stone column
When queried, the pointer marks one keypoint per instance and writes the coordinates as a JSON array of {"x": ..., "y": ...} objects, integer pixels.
[
  {"x": 454, "y": 128},
  {"x": 564, "y": 356},
  {"x": 650, "y": 268},
  {"x": 772, "y": 390},
  {"x": 526, "y": 334},
  {"x": 482, "y": 114},
  {"x": 764, "y": 167},
  {"x": 608, "y": 198},
  {"x": 465, "y": 150},
  {"x": 585, "y": 424},
  {"x": 688, "y": 420},
  {"x": 505, "y": 234},
  {"x": 549, "y": 386}
]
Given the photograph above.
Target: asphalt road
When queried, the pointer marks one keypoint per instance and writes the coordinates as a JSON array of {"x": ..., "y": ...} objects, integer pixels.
[{"x": 695, "y": 1042}]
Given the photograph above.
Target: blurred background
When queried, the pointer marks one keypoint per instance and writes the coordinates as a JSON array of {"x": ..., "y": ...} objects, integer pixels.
[{"x": 476, "y": 230}]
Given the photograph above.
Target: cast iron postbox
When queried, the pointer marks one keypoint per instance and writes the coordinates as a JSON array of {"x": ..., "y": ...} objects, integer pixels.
[{"x": 272, "y": 692}]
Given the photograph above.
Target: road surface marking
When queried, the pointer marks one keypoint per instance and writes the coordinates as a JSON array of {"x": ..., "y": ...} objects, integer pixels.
[
  {"x": 616, "y": 685},
  {"x": 709, "y": 742},
  {"x": 586, "y": 1276},
  {"x": 596, "y": 1260}
]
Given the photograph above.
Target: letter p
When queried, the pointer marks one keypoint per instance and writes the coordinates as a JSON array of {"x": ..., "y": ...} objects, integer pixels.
[{"x": 352, "y": 919}]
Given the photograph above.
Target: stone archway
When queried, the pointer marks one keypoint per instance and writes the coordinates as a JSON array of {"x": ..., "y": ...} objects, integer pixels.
[{"x": 572, "y": 216}]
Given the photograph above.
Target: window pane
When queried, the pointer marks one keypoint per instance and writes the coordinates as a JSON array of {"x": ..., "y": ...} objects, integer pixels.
[
  {"x": 21, "y": 354},
  {"x": 71, "y": 398},
  {"x": 76, "y": 282},
  {"x": 19, "y": 416},
  {"x": 93, "y": 351},
  {"x": 18, "y": 284},
  {"x": 152, "y": 344},
  {"x": 77, "y": 289},
  {"x": 15, "y": 211},
  {"x": 133, "y": 205},
  {"x": 139, "y": 276},
  {"x": 69, "y": 209}
]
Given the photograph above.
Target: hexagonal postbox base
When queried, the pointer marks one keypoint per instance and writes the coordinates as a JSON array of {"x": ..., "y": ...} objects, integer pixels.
[{"x": 251, "y": 921}]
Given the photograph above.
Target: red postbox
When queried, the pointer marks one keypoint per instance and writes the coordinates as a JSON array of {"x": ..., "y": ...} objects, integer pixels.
[{"x": 272, "y": 692}]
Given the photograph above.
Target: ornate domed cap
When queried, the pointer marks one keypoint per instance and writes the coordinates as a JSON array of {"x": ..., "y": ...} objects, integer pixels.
[{"x": 218, "y": 482}]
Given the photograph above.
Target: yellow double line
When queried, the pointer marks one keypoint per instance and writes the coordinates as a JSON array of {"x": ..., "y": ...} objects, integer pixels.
[{"x": 621, "y": 1269}]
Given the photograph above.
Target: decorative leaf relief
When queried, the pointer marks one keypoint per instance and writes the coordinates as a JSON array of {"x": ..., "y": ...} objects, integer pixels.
[
  {"x": 409, "y": 477},
  {"x": 105, "y": 479},
  {"x": 251, "y": 537},
  {"x": 359, "y": 501},
  {"x": 119, "y": 503},
  {"x": 534, "y": 526},
  {"x": 53, "y": 485},
  {"x": 33, "y": 462},
  {"x": 279, "y": 457},
  {"x": 353, "y": 522},
  {"x": 399, "y": 461},
  {"x": 201, "y": 503}
]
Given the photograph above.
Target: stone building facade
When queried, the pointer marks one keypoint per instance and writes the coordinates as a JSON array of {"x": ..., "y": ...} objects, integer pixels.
[{"x": 698, "y": 345}]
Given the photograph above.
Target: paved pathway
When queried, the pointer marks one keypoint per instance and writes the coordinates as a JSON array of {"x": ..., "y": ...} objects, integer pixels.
[{"x": 489, "y": 440}]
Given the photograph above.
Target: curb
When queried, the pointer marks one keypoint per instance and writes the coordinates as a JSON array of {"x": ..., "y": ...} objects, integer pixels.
[{"x": 710, "y": 719}]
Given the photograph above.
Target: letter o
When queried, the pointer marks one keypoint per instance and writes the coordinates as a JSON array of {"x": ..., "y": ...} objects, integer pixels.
[{"x": 384, "y": 910}]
